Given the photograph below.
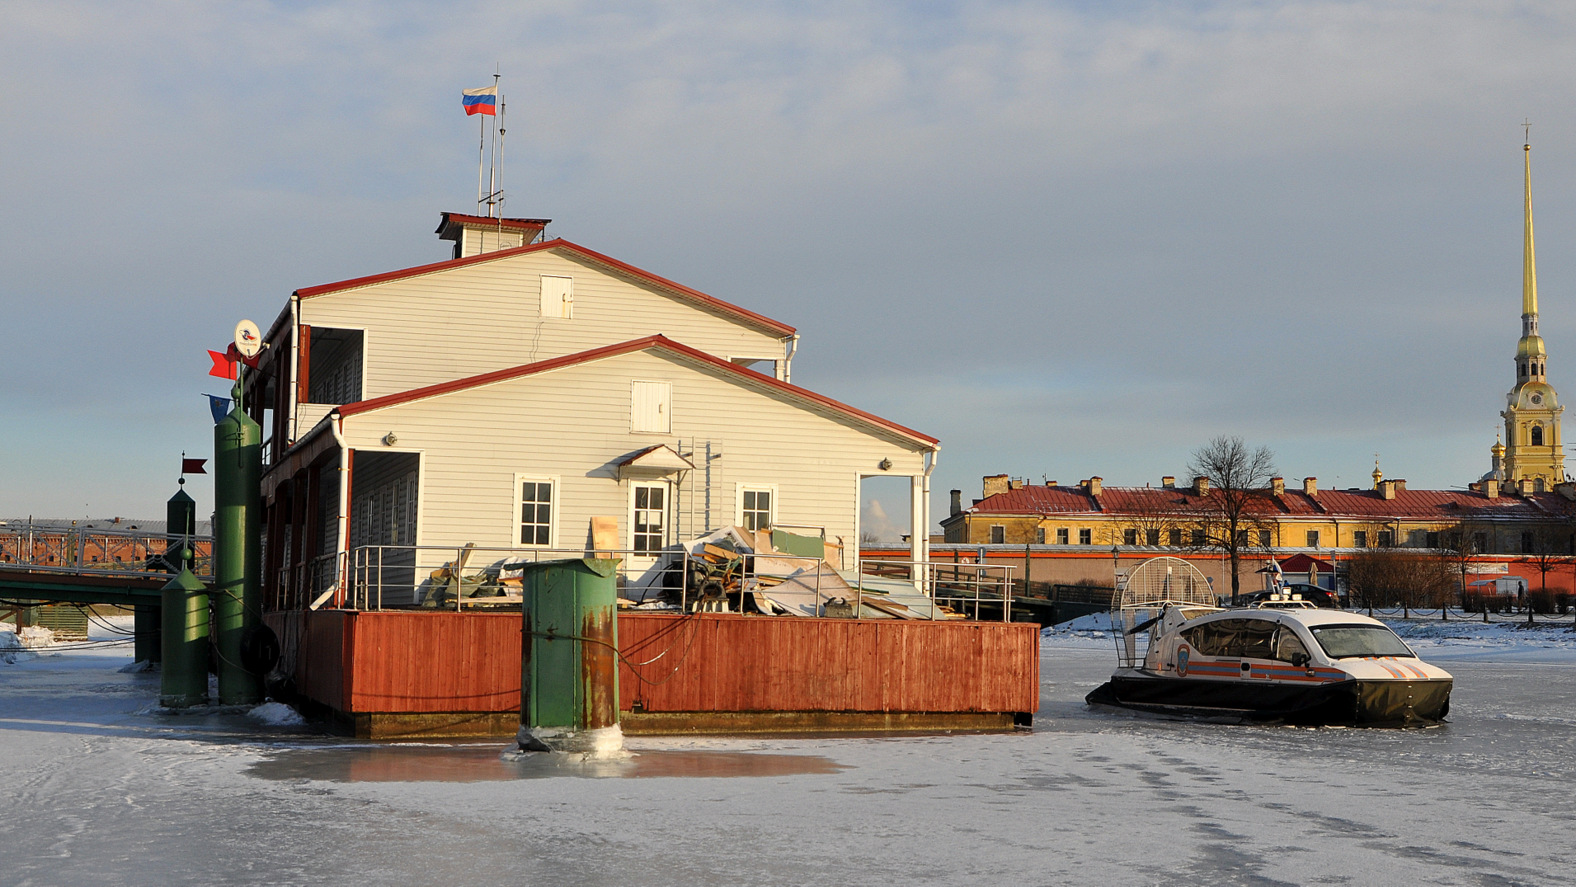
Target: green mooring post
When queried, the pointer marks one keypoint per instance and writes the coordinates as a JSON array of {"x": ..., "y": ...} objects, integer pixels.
[
  {"x": 183, "y": 679},
  {"x": 180, "y": 525},
  {"x": 569, "y": 657},
  {"x": 237, "y": 553}
]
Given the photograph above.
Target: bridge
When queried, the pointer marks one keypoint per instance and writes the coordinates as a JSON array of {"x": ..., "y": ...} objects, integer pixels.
[{"x": 83, "y": 565}]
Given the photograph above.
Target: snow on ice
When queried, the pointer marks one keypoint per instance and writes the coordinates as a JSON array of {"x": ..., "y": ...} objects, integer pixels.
[{"x": 101, "y": 788}]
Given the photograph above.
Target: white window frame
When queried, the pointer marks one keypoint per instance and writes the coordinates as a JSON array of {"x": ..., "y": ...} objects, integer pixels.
[
  {"x": 665, "y": 410},
  {"x": 556, "y": 509},
  {"x": 667, "y": 514},
  {"x": 738, "y": 502},
  {"x": 564, "y": 309}
]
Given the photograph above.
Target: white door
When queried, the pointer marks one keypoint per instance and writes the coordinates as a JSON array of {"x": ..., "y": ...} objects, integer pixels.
[{"x": 649, "y": 509}]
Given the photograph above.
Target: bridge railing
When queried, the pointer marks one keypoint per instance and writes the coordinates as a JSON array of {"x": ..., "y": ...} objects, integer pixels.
[{"x": 90, "y": 550}]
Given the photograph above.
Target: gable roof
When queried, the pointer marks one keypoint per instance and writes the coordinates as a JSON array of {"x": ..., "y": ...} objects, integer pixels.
[
  {"x": 657, "y": 342},
  {"x": 557, "y": 244}
]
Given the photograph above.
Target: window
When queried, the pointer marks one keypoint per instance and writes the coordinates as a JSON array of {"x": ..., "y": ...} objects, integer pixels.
[
  {"x": 558, "y": 297},
  {"x": 1198, "y": 538},
  {"x": 1152, "y": 537},
  {"x": 1480, "y": 542},
  {"x": 1265, "y": 539},
  {"x": 1360, "y": 538},
  {"x": 1537, "y": 435},
  {"x": 1174, "y": 538},
  {"x": 651, "y": 407},
  {"x": 1386, "y": 538},
  {"x": 1432, "y": 540},
  {"x": 1313, "y": 538},
  {"x": 755, "y": 507},
  {"x": 536, "y": 511},
  {"x": 1129, "y": 537},
  {"x": 1242, "y": 538},
  {"x": 1039, "y": 535},
  {"x": 649, "y": 521},
  {"x": 998, "y": 534},
  {"x": 1526, "y": 543},
  {"x": 1084, "y": 536},
  {"x": 1417, "y": 538},
  {"x": 1061, "y": 536}
]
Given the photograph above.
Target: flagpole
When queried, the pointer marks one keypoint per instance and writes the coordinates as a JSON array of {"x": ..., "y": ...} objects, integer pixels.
[
  {"x": 481, "y": 149},
  {"x": 492, "y": 171}
]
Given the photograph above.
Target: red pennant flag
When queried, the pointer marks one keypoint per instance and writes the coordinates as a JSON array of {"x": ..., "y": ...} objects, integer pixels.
[
  {"x": 223, "y": 366},
  {"x": 193, "y": 466}
]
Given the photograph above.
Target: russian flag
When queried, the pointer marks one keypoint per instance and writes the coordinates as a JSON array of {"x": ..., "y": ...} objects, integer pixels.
[{"x": 481, "y": 101}]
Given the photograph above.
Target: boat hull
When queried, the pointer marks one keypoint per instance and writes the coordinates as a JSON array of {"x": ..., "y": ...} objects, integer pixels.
[{"x": 1351, "y": 703}]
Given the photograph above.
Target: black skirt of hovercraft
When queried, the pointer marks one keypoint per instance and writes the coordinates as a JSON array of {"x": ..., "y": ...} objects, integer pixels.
[{"x": 1345, "y": 703}]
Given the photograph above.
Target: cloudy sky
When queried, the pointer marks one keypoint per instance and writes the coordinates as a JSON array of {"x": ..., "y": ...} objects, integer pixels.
[{"x": 1066, "y": 238}]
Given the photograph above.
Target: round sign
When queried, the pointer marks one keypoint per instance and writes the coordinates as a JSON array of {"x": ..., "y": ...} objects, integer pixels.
[{"x": 248, "y": 340}]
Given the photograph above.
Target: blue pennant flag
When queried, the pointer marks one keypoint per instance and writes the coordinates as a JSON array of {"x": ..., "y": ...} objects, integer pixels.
[{"x": 220, "y": 407}]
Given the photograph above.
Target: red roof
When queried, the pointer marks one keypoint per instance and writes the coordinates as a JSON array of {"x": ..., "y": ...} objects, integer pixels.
[
  {"x": 451, "y": 220},
  {"x": 1442, "y": 505},
  {"x": 758, "y": 320},
  {"x": 649, "y": 342}
]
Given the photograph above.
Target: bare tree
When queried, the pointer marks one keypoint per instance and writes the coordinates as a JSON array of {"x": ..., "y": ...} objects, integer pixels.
[
  {"x": 1551, "y": 549},
  {"x": 1459, "y": 545},
  {"x": 1233, "y": 508}
]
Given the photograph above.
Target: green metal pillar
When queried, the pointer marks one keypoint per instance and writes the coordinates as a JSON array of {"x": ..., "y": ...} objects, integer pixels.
[
  {"x": 569, "y": 657},
  {"x": 146, "y": 643},
  {"x": 237, "y": 552},
  {"x": 183, "y": 679}
]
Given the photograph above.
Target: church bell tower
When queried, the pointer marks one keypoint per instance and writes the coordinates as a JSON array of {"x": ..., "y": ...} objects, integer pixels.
[{"x": 1533, "y": 449}]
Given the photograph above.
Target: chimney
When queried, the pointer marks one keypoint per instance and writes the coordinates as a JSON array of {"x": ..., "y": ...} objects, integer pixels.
[
  {"x": 1387, "y": 489},
  {"x": 1310, "y": 486},
  {"x": 994, "y": 483},
  {"x": 480, "y": 234},
  {"x": 1200, "y": 486},
  {"x": 1168, "y": 482},
  {"x": 1491, "y": 488},
  {"x": 1400, "y": 484},
  {"x": 1277, "y": 486},
  {"x": 957, "y": 501},
  {"x": 1050, "y": 483},
  {"x": 1094, "y": 486},
  {"x": 1015, "y": 484},
  {"x": 1524, "y": 486}
]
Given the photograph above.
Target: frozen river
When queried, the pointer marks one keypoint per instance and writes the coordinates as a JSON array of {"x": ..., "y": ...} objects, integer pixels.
[{"x": 99, "y": 789}]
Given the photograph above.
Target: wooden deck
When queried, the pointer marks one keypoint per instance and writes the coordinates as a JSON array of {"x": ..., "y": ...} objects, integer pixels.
[{"x": 407, "y": 673}]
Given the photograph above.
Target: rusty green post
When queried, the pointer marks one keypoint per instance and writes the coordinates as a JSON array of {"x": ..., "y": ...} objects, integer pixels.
[
  {"x": 183, "y": 678},
  {"x": 237, "y": 552},
  {"x": 569, "y": 657}
]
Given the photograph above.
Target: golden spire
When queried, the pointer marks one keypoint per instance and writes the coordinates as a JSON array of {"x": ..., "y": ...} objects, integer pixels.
[{"x": 1529, "y": 268}]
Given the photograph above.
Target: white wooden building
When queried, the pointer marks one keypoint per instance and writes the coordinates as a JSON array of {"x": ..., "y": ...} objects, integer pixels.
[{"x": 508, "y": 396}]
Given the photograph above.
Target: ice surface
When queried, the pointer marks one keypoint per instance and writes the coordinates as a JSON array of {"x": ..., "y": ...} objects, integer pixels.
[{"x": 101, "y": 789}]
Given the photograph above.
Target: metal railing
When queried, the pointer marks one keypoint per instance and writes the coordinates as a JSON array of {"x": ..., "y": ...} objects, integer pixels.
[
  {"x": 963, "y": 588},
  {"x": 92, "y": 551},
  {"x": 378, "y": 577}
]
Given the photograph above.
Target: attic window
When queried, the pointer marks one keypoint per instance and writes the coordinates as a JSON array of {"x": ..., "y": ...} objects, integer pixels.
[{"x": 558, "y": 297}]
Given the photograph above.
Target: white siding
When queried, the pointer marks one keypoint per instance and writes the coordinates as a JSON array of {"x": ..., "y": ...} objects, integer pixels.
[
  {"x": 573, "y": 424},
  {"x": 479, "y": 318}
]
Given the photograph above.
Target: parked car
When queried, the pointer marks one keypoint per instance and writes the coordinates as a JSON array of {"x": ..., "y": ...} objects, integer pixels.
[{"x": 1313, "y": 594}]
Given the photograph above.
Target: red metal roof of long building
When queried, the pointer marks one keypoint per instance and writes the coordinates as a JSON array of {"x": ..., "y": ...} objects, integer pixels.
[{"x": 1416, "y": 504}]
